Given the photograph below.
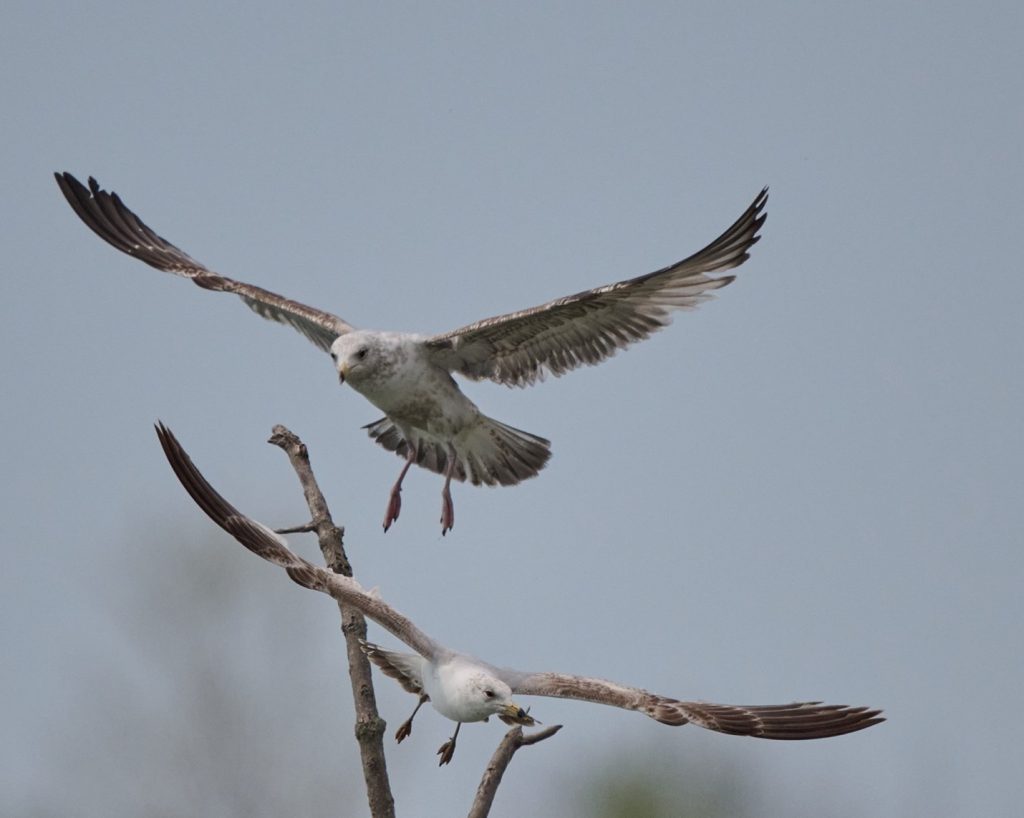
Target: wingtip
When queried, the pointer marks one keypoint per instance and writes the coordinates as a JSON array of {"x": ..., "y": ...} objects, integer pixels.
[
  {"x": 66, "y": 179},
  {"x": 66, "y": 182},
  {"x": 759, "y": 204},
  {"x": 168, "y": 442}
]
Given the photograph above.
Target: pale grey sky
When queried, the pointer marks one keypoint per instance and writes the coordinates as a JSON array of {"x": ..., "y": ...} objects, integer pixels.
[{"x": 810, "y": 488}]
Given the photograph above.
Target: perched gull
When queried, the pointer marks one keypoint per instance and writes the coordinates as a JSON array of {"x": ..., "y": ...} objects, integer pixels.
[
  {"x": 465, "y": 689},
  {"x": 428, "y": 420}
]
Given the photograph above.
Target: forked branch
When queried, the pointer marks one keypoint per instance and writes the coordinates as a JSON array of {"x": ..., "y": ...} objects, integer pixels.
[
  {"x": 514, "y": 739},
  {"x": 369, "y": 725}
]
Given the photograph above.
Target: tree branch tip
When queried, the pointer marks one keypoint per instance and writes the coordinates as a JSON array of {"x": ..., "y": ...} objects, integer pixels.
[
  {"x": 540, "y": 735},
  {"x": 305, "y": 528},
  {"x": 285, "y": 438},
  {"x": 510, "y": 743}
]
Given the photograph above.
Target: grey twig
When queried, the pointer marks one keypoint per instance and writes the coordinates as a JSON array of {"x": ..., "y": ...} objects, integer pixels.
[
  {"x": 514, "y": 739},
  {"x": 369, "y": 725},
  {"x": 305, "y": 528}
]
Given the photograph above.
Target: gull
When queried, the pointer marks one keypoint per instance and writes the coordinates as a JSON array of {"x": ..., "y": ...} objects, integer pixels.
[
  {"x": 465, "y": 689},
  {"x": 427, "y": 419}
]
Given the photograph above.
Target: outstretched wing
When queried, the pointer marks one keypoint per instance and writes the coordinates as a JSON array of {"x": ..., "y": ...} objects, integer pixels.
[
  {"x": 107, "y": 216},
  {"x": 272, "y": 547},
  {"x": 519, "y": 348},
  {"x": 799, "y": 720}
]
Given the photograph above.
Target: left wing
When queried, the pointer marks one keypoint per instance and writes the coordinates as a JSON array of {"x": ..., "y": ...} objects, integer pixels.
[
  {"x": 799, "y": 720},
  {"x": 517, "y": 349}
]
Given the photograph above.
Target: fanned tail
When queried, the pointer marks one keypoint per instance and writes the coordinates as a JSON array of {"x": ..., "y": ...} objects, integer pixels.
[{"x": 490, "y": 453}]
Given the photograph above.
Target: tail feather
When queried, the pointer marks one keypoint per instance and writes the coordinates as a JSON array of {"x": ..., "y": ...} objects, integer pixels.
[
  {"x": 406, "y": 668},
  {"x": 489, "y": 453}
]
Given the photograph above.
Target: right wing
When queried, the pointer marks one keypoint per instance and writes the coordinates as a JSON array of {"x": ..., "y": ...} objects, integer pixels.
[{"x": 107, "y": 216}]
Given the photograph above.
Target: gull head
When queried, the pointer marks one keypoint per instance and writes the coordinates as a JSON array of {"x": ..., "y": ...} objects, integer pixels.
[
  {"x": 361, "y": 356},
  {"x": 480, "y": 695}
]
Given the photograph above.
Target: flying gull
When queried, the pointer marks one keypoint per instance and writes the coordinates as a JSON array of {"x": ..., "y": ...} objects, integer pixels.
[
  {"x": 428, "y": 420},
  {"x": 465, "y": 689}
]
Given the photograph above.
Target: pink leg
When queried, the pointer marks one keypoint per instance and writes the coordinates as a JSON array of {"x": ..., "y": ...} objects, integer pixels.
[
  {"x": 395, "y": 500},
  {"x": 447, "y": 507}
]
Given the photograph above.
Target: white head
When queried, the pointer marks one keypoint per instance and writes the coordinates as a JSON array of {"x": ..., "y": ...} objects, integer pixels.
[
  {"x": 481, "y": 695},
  {"x": 358, "y": 356}
]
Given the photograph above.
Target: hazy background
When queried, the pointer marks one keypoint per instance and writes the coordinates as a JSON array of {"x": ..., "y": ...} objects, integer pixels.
[{"x": 809, "y": 488}]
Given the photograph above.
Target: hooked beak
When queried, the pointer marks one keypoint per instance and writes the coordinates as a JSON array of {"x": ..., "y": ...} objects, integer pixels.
[
  {"x": 512, "y": 713},
  {"x": 341, "y": 374}
]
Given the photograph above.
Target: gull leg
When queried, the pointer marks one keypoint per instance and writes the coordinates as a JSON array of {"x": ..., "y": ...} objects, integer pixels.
[
  {"x": 395, "y": 500},
  {"x": 406, "y": 728},
  {"x": 447, "y": 750},
  {"x": 447, "y": 507}
]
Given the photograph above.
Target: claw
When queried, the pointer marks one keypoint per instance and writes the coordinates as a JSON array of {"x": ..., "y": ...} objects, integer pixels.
[
  {"x": 446, "y": 751},
  {"x": 447, "y": 511},
  {"x": 406, "y": 728},
  {"x": 395, "y": 500},
  {"x": 447, "y": 507},
  {"x": 394, "y": 507}
]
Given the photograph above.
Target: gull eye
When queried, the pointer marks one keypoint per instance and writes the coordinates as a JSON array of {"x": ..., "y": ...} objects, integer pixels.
[
  {"x": 362, "y": 353},
  {"x": 334, "y": 356},
  {"x": 489, "y": 694}
]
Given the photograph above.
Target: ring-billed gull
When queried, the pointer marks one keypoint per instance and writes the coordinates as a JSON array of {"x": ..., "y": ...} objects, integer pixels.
[
  {"x": 428, "y": 420},
  {"x": 466, "y": 689}
]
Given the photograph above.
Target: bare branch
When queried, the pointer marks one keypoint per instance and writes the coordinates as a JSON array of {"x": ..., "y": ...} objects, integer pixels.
[
  {"x": 514, "y": 739},
  {"x": 305, "y": 528},
  {"x": 370, "y": 726}
]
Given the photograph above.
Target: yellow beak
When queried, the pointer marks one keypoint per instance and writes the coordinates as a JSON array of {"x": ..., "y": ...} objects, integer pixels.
[{"x": 512, "y": 713}]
